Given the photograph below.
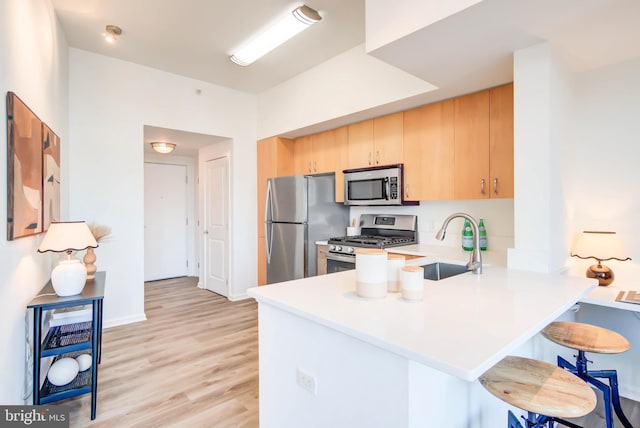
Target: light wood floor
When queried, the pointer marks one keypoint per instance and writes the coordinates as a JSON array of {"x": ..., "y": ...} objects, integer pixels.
[{"x": 193, "y": 363}]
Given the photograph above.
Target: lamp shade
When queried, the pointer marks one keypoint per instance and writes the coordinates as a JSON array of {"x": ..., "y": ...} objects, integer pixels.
[
  {"x": 67, "y": 236},
  {"x": 599, "y": 245}
]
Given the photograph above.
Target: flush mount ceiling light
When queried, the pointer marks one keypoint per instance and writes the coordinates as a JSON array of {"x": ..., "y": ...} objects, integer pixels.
[
  {"x": 112, "y": 31},
  {"x": 284, "y": 29},
  {"x": 162, "y": 147}
]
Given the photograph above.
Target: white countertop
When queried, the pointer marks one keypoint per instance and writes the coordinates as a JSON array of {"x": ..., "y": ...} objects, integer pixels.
[
  {"x": 465, "y": 324},
  {"x": 606, "y": 296}
]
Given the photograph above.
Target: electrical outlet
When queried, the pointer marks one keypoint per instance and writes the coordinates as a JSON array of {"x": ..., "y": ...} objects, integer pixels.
[{"x": 306, "y": 381}]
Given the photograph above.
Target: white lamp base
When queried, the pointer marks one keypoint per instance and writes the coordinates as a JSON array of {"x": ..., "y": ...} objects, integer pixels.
[{"x": 68, "y": 277}]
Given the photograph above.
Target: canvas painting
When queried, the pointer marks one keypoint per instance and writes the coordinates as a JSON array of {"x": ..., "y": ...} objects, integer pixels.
[
  {"x": 24, "y": 167},
  {"x": 50, "y": 177}
]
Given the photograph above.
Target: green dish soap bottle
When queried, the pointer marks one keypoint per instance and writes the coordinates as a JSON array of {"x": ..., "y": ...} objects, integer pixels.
[
  {"x": 483, "y": 235},
  {"x": 467, "y": 236}
]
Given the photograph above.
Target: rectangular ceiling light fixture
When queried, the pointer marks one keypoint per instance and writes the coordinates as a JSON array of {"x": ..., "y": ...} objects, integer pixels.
[{"x": 284, "y": 29}]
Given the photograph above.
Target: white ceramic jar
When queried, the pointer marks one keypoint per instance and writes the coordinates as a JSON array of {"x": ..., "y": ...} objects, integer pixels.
[
  {"x": 394, "y": 263},
  {"x": 412, "y": 282},
  {"x": 371, "y": 272}
]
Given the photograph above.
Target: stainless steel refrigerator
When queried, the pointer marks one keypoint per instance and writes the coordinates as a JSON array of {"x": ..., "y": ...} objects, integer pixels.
[{"x": 299, "y": 211}]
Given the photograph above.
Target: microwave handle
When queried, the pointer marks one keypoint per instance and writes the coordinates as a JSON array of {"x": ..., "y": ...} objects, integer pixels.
[{"x": 387, "y": 188}]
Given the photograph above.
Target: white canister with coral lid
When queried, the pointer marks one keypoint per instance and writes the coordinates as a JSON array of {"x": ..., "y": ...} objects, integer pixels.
[
  {"x": 394, "y": 263},
  {"x": 371, "y": 272}
]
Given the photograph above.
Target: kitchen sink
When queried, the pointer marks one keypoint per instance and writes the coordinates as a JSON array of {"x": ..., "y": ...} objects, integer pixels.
[{"x": 438, "y": 271}]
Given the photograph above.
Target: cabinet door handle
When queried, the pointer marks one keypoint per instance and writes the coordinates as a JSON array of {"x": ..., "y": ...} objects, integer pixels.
[
  {"x": 406, "y": 191},
  {"x": 377, "y": 157},
  {"x": 495, "y": 186},
  {"x": 482, "y": 186},
  {"x": 309, "y": 167},
  {"x": 315, "y": 166},
  {"x": 369, "y": 158}
]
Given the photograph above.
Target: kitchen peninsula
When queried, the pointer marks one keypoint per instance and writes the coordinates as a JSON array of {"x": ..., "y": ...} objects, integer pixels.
[{"x": 331, "y": 358}]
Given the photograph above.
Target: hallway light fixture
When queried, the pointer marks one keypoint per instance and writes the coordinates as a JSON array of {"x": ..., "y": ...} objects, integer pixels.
[
  {"x": 112, "y": 31},
  {"x": 162, "y": 147},
  {"x": 288, "y": 26},
  {"x": 601, "y": 246}
]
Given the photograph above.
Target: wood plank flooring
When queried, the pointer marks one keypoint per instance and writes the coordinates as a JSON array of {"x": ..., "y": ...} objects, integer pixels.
[{"x": 193, "y": 363}]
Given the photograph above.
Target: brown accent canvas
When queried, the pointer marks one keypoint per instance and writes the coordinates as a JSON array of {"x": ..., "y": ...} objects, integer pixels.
[
  {"x": 50, "y": 177},
  {"x": 24, "y": 167}
]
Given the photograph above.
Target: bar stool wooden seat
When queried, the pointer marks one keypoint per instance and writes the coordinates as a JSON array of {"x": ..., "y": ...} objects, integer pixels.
[
  {"x": 547, "y": 392},
  {"x": 590, "y": 338}
]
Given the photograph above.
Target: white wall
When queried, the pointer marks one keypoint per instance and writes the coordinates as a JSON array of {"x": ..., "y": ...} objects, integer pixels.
[
  {"x": 575, "y": 169},
  {"x": 33, "y": 64},
  {"x": 542, "y": 115},
  {"x": 496, "y": 213},
  {"x": 601, "y": 179},
  {"x": 110, "y": 103},
  {"x": 349, "y": 83}
]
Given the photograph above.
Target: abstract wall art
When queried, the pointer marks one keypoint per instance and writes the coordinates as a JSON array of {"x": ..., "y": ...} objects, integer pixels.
[
  {"x": 24, "y": 167},
  {"x": 50, "y": 177},
  {"x": 33, "y": 171}
]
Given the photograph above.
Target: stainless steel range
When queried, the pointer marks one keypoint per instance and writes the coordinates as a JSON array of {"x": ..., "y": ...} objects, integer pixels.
[{"x": 377, "y": 231}]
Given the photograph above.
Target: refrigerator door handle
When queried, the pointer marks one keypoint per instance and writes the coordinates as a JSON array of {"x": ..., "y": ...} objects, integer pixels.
[
  {"x": 268, "y": 204},
  {"x": 268, "y": 238}
]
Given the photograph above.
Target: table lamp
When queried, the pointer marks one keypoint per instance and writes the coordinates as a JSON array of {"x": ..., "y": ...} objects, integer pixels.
[
  {"x": 601, "y": 246},
  {"x": 69, "y": 276}
]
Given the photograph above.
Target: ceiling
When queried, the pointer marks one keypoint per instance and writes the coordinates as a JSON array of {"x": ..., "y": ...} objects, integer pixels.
[
  {"x": 195, "y": 38},
  {"x": 465, "y": 52}
]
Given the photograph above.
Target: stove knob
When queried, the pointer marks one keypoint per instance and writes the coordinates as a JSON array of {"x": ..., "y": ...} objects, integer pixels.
[
  {"x": 338, "y": 248},
  {"x": 332, "y": 247},
  {"x": 351, "y": 250}
]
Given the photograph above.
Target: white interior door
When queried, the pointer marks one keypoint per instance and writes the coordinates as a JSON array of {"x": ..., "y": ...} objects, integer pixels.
[
  {"x": 165, "y": 221},
  {"x": 216, "y": 232}
]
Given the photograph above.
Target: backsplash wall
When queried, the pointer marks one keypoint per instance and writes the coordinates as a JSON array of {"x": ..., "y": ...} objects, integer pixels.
[{"x": 497, "y": 215}]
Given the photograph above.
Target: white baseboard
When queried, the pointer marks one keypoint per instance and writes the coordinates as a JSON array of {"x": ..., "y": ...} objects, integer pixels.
[
  {"x": 238, "y": 297},
  {"x": 113, "y": 322}
]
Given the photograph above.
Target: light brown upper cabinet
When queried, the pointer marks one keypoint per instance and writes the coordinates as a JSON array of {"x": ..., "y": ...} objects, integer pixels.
[
  {"x": 501, "y": 141},
  {"x": 322, "y": 152},
  {"x": 303, "y": 161},
  {"x": 429, "y": 152},
  {"x": 484, "y": 144},
  {"x": 376, "y": 142},
  {"x": 472, "y": 146},
  {"x": 275, "y": 159}
]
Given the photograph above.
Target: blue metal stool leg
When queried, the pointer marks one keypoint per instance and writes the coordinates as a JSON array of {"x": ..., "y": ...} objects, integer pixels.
[
  {"x": 513, "y": 421},
  {"x": 611, "y": 395},
  {"x": 612, "y": 375}
]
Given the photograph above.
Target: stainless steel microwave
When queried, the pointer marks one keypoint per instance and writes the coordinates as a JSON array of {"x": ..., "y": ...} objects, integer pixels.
[{"x": 378, "y": 185}]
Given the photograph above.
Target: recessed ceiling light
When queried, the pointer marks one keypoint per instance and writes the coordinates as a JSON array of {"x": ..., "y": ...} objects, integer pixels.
[
  {"x": 288, "y": 26},
  {"x": 112, "y": 31}
]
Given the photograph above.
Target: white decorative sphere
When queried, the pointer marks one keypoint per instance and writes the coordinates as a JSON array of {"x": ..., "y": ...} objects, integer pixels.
[
  {"x": 63, "y": 371},
  {"x": 84, "y": 361}
]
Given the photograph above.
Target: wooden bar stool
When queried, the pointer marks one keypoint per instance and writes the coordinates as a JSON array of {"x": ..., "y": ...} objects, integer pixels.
[
  {"x": 545, "y": 391},
  {"x": 590, "y": 338}
]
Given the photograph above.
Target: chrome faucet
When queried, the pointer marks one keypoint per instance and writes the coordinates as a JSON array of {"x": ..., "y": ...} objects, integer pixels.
[{"x": 475, "y": 258}]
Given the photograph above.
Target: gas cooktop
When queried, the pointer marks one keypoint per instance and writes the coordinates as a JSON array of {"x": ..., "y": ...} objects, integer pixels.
[{"x": 378, "y": 231}]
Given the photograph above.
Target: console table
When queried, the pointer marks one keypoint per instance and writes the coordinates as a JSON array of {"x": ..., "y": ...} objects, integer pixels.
[{"x": 68, "y": 339}]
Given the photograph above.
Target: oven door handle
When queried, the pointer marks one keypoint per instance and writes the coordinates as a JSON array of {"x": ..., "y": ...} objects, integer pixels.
[{"x": 341, "y": 258}]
